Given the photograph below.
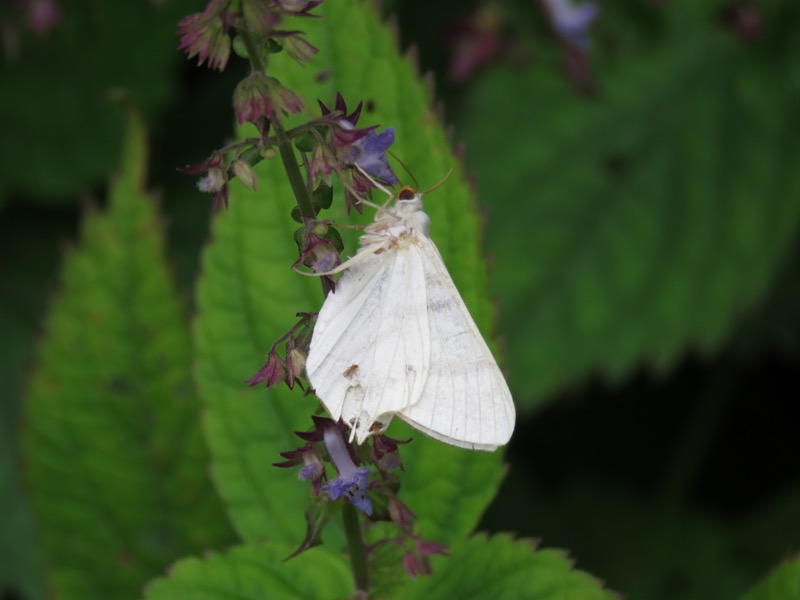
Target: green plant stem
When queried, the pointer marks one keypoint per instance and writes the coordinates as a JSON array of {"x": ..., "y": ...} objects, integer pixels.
[
  {"x": 253, "y": 54},
  {"x": 293, "y": 172},
  {"x": 284, "y": 142},
  {"x": 355, "y": 546}
]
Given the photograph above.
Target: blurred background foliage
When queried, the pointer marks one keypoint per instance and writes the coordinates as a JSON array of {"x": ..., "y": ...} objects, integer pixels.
[{"x": 643, "y": 205}]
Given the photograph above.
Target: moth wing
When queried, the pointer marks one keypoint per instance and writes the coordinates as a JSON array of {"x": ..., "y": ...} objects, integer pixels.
[
  {"x": 376, "y": 321},
  {"x": 466, "y": 401}
]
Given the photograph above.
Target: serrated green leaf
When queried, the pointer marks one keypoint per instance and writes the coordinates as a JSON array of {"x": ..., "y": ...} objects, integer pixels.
[
  {"x": 248, "y": 294},
  {"x": 631, "y": 540},
  {"x": 501, "y": 567},
  {"x": 113, "y": 445},
  {"x": 256, "y": 572},
  {"x": 783, "y": 583},
  {"x": 61, "y": 129},
  {"x": 633, "y": 226}
]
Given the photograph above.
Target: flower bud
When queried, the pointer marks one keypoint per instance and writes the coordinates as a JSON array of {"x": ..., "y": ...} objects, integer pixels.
[{"x": 245, "y": 173}]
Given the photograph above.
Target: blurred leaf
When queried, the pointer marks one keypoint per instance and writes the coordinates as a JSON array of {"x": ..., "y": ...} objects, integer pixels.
[
  {"x": 256, "y": 572},
  {"x": 783, "y": 583},
  {"x": 501, "y": 567},
  {"x": 633, "y": 226},
  {"x": 29, "y": 253},
  {"x": 775, "y": 323},
  {"x": 21, "y": 571},
  {"x": 61, "y": 130},
  {"x": 114, "y": 454},
  {"x": 248, "y": 296},
  {"x": 645, "y": 548},
  {"x": 770, "y": 533}
]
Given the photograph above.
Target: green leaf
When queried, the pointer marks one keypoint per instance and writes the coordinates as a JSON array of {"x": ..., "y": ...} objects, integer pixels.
[
  {"x": 256, "y": 572},
  {"x": 31, "y": 245},
  {"x": 113, "y": 445},
  {"x": 783, "y": 583},
  {"x": 501, "y": 567},
  {"x": 631, "y": 540},
  {"x": 248, "y": 295},
  {"x": 61, "y": 130},
  {"x": 646, "y": 221}
]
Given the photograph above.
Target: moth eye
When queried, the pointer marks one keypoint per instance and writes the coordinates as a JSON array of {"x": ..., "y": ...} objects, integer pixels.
[{"x": 406, "y": 194}]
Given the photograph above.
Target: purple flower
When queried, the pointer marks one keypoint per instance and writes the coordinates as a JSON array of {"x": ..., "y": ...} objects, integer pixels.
[
  {"x": 205, "y": 35},
  {"x": 369, "y": 153},
  {"x": 416, "y": 561},
  {"x": 416, "y": 565},
  {"x": 313, "y": 470},
  {"x": 352, "y": 480},
  {"x": 297, "y": 8},
  {"x": 385, "y": 454},
  {"x": 477, "y": 41},
  {"x": 43, "y": 15},
  {"x": 258, "y": 96},
  {"x": 215, "y": 181},
  {"x": 572, "y": 21},
  {"x": 298, "y": 47},
  {"x": 400, "y": 514},
  {"x": 273, "y": 371},
  {"x": 355, "y": 147}
]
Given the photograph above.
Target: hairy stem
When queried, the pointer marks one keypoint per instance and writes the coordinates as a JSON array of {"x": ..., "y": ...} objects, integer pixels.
[
  {"x": 355, "y": 546},
  {"x": 253, "y": 54}
]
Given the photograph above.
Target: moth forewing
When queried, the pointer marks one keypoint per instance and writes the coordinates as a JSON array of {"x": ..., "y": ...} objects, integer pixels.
[{"x": 373, "y": 321}]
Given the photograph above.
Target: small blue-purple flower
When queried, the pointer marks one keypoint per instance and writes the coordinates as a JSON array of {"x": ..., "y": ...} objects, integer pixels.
[
  {"x": 313, "y": 470},
  {"x": 352, "y": 480},
  {"x": 369, "y": 153},
  {"x": 572, "y": 21}
]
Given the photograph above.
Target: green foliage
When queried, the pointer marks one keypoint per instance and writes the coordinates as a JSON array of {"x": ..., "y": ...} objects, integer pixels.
[
  {"x": 30, "y": 245},
  {"x": 655, "y": 214},
  {"x": 256, "y": 572},
  {"x": 783, "y": 583},
  {"x": 657, "y": 217},
  {"x": 248, "y": 295},
  {"x": 481, "y": 568},
  {"x": 114, "y": 456},
  {"x": 500, "y": 567},
  {"x": 61, "y": 128}
]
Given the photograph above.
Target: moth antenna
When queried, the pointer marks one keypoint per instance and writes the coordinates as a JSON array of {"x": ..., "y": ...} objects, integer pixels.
[
  {"x": 380, "y": 187},
  {"x": 405, "y": 168},
  {"x": 377, "y": 185},
  {"x": 438, "y": 185}
]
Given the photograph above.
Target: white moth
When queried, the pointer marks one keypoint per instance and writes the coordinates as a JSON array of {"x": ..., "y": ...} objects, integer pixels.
[{"x": 395, "y": 339}]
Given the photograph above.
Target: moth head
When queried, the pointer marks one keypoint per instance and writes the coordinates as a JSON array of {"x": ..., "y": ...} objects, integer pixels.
[{"x": 408, "y": 198}]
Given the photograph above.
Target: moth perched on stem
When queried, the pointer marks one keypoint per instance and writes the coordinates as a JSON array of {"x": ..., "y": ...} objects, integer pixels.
[{"x": 397, "y": 317}]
